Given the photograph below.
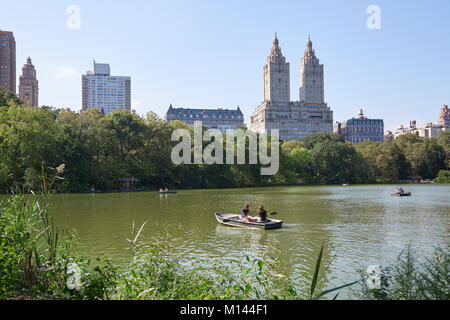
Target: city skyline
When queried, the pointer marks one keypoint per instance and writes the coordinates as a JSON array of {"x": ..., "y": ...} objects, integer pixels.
[{"x": 198, "y": 59}]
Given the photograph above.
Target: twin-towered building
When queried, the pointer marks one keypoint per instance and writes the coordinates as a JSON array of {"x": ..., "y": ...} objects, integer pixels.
[{"x": 294, "y": 119}]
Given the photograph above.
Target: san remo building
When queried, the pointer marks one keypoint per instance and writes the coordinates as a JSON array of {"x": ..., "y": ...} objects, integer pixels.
[{"x": 294, "y": 119}]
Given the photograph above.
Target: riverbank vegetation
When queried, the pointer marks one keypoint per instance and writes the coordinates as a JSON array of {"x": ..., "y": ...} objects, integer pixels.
[
  {"x": 122, "y": 150},
  {"x": 410, "y": 279}
]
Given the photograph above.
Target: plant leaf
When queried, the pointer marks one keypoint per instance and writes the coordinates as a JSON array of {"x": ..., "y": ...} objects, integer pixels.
[
  {"x": 139, "y": 232},
  {"x": 334, "y": 289},
  {"x": 316, "y": 272}
]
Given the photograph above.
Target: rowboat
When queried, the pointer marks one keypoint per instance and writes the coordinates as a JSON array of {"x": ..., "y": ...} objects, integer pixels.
[
  {"x": 236, "y": 221},
  {"x": 167, "y": 192},
  {"x": 406, "y": 194}
]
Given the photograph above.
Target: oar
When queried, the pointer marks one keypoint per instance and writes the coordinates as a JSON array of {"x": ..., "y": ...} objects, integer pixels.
[{"x": 274, "y": 213}]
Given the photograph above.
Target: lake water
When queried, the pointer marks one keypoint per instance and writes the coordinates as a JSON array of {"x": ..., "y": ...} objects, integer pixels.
[{"x": 361, "y": 225}]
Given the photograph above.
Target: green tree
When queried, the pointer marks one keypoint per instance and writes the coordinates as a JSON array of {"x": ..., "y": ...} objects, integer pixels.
[
  {"x": 8, "y": 98},
  {"x": 301, "y": 162},
  {"x": 443, "y": 177},
  {"x": 425, "y": 156},
  {"x": 337, "y": 163},
  {"x": 444, "y": 142},
  {"x": 313, "y": 139},
  {"x": 387, "y": 162},
  {"x": 288, "y": 146}
]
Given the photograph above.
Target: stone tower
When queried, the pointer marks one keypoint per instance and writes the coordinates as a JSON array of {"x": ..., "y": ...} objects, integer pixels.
[
  {"x": 311, "y": 77},
  {"x": 276, "y": 76},
  {"x": 444, "y": 117},
  {"x": 28, "y": 85}
]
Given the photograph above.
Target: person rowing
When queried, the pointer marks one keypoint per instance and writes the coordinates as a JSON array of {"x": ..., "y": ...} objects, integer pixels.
[
  {"x": 245, "y": 212},
  {"x": 262, "y": 214},
  {"x": 399, "y": 190}
]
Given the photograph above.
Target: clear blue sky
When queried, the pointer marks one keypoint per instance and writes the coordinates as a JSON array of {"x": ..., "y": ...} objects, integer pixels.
[{"x": 206, "y": 53}]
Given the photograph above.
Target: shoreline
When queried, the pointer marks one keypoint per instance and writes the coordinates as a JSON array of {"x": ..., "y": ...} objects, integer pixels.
[{"x": 252, "y": 187}]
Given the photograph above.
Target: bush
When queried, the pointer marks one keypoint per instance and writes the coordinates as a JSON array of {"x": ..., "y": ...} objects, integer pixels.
[
  {"x": 409, "y": 279},
  {"x": 443, "y": 177}
]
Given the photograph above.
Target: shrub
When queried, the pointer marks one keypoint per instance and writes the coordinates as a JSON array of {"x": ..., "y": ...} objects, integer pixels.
[
  {"x": 443, "y": 177},
  {"x": 409, "y": 279}
]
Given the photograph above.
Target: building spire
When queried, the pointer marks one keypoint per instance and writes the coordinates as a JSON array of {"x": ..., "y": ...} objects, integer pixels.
[
  {"x": 309, "y": 53},
  {"x": 309, "y": 43},
  {"x": 275, "y": 53}
]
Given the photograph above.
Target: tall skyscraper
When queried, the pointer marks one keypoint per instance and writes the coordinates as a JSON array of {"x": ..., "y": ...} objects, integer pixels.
[
  {"x": 277, "y": 84},
  {"x": 294, "y": 120},
  {"x": 311, "y": 77},
  {"x": 29, "y": 86},
  {"x": 105, "y": 92},
  {"x": 7, "y": 61}
]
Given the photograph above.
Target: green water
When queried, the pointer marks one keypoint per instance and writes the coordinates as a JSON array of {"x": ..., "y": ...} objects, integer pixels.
[{"x": 361, "y": 225}]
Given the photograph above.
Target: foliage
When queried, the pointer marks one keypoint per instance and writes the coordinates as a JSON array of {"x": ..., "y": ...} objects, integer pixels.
[
  {"x": 314, "y": 139},
  {"x": 425, "y": 156},
  {"x": 409, "y": 279},
  {"x": 7, "y": 98},
  {"x": 444, "y": 142},
  {"x": 443, "y": 177},
  {"x": 387, "y": 162}
]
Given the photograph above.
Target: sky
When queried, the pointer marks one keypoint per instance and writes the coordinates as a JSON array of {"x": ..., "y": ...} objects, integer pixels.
[{"x": 211, "y": 53}]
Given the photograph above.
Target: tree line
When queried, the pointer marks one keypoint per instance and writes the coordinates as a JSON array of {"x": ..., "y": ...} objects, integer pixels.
[{"x": 101, "y": 151}]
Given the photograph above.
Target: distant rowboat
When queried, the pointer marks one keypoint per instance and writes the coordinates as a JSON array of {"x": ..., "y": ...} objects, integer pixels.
[
  {"x": 406, "y": 194},
  {"x": 236, "y": 221},
  {"x": 167, "y": 192}
]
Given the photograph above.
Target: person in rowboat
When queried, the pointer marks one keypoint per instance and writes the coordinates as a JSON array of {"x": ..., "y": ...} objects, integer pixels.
[
  {"x": 245, "y": 212},
  {"x": 262, "y": 214}
]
